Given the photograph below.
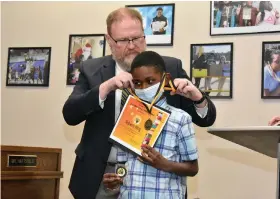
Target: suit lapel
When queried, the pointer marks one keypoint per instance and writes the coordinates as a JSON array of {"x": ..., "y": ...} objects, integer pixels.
[{"x": 108, "y": 69}]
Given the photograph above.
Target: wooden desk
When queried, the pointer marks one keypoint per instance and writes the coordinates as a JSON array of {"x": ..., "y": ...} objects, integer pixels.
[{"x": 30, "y": 172}]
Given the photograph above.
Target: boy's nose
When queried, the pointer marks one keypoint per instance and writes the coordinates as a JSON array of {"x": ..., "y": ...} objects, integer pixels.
[{"x": 144, "y": 85}]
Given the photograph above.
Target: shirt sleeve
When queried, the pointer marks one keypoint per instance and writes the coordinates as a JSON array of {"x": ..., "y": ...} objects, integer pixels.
[
  {"x": 186, "y": 140},
  {"x": 101, "y": 102},
  {"x": 202, "y": 112}
]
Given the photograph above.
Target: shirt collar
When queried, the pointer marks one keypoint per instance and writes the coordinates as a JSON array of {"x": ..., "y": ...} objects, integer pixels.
[
  {"x": 119, "y": 68},
  {"x": 162, "y": 103}
]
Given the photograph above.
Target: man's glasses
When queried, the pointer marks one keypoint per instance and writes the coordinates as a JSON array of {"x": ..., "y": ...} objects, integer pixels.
[{"x": 125, "y": 42}]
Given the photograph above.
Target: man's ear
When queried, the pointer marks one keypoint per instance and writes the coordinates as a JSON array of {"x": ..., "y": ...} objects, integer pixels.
[{"x": 108, "y": 39}]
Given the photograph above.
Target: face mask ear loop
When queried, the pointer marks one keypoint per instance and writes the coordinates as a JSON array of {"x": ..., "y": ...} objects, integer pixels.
[{"x": 161, "y": 86}]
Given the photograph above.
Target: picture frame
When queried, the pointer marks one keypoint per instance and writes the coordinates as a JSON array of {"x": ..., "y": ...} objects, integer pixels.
[
  {"x": 28, "y": 66},
  {"x": 82, "y": 47},
  {"x": 242, "y": 17},
  {"x": 156, "y": 16},
  {"x": 213, "y": 64},
  {"x": 270, "y": 87}
]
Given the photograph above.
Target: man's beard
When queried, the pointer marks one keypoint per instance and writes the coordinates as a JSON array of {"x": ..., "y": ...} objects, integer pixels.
[{"x": 124, "y": 63}]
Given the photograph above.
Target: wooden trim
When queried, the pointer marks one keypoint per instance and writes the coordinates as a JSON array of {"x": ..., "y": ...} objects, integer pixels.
[
  {"x": 24, "y": 175},
  {"x": 59, "y": 157},
  {"x": 29, "y": 149}
]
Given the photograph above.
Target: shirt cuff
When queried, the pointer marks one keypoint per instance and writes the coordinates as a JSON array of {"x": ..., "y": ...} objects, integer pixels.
[
  {"x": 202, "y": 112},
  {"x": 101, "y": 102}
]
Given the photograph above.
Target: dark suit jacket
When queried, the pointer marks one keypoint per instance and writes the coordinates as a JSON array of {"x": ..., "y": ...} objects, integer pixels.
[{"x": 83, "y": 105}]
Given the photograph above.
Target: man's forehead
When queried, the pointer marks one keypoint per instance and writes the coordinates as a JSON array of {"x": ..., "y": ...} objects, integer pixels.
[{"x": 127, "y": 27}]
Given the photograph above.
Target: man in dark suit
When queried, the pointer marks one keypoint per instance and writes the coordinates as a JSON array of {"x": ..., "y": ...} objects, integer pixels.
[{"x": 96, "y": 99}]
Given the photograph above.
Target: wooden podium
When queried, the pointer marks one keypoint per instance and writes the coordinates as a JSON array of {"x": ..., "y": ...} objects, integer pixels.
[
  {"x": 30, "y": 172},
  {"x": 262, "y": 139}
]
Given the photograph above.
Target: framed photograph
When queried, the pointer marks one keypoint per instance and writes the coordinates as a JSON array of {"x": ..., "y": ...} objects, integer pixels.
[
  {"x": 158, "y": 23},
  {"x": 211, "y": 68},
  {"x": 28, "y": 66},
  {"x": 244, "y": 17},
  {"x": 81, "y": 48},
  {"x": 270, "y": 70}
]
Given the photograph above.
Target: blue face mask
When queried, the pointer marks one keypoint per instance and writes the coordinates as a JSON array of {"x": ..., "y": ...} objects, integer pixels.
[{"x": 149, "y": 93}]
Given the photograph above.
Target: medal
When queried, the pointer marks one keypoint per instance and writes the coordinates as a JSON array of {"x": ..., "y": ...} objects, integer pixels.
[
  {"x": 121, "y": 171},
  {"x": 148, "y": 124}
]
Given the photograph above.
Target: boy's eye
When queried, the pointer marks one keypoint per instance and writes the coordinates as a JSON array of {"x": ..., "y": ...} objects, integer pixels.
[
  {"x": 151, "y": 81},
  {"x": 136, "y": 83}
]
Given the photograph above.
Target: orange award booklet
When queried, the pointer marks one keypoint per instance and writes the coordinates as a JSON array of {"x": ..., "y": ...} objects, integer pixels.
[{"x": 136, "y": 126}]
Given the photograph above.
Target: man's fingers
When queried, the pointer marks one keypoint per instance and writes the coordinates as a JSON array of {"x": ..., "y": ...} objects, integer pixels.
[
  {"x": 119, "y": 84},
  {"x": 186, "y": 89},
  {"x": 131, "y": 84}
]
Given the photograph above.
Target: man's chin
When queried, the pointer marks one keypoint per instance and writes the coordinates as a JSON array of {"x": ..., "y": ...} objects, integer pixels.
[{"x": 131, "y": 56}]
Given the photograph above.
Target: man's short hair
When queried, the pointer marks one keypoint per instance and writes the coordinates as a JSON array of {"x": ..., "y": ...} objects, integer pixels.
[
  {"x": 149, "y": 59},
  {"x": 119, "y": 14},
  {"x": 159, "y": 8}
]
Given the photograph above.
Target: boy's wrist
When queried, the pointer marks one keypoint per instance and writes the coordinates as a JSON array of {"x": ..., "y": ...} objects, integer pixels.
[{"x": 168, "y": 166}]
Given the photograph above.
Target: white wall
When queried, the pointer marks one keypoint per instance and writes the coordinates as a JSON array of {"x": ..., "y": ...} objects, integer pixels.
[{"x": 33, "y": 116}]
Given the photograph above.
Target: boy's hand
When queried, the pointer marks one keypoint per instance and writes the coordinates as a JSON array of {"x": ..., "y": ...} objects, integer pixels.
[
  {"x": 153, "y": 158},
  {"x": 111, "y": 181}
]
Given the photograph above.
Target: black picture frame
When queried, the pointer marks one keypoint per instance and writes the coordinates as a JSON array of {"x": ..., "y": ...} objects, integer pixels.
[
  {"x": 241, "y": 26},
  {"x": 28, "y": 66},
  {"x": 82, "y": 47},
  {"x": 269, "y": 77},
  {"x": 153, "y": 38},
  {"x": 205, "y": 65}
]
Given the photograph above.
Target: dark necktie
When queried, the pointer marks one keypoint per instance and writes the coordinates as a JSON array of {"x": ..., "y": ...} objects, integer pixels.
[{"x": 125, "y": 94}]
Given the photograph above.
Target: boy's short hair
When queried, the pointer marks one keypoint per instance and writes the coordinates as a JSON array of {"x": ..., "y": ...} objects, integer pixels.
[{"x": 150, "y": 59}]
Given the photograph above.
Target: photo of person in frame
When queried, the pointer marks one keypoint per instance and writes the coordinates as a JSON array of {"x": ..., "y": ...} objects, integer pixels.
[
  {"x": 159, "y": 23},
  {"x": 271, "y": 70},
  {"x": 82, "y": 48}
]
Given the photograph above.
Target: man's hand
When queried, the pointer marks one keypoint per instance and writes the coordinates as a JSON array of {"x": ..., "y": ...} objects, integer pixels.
[
  {"x": 153, "y": 158},
  {"x": 187, "y": 89},
  {"x": 274, "y": 120},
  {"x": 111, "y": 181},
  {"x": 120, "y": 81}
]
